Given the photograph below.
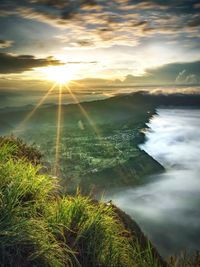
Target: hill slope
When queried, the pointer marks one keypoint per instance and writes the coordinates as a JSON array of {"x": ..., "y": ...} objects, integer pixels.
[{"x": 40, "y": 227}]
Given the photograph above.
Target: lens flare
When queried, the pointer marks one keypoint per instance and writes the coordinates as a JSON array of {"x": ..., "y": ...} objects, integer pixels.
[
  {"x": 30, "y": 114},
  {"x": 58, "y": 134},
  {"x": 59, "y": 74}
]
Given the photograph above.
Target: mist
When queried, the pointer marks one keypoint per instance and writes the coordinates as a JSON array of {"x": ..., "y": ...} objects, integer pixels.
[
  {"x": 22, "y": 97},
  {"x": 167, "y": 206}
]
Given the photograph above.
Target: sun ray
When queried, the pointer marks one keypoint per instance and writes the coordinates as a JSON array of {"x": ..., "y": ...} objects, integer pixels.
[
  {"x": 76, "y": 83},
  {"x": 58, "y": 134},
  {"x": 30, "y": 114},
  {"x": 92, "y": 124},
  {"x": 84, "y": 112}
]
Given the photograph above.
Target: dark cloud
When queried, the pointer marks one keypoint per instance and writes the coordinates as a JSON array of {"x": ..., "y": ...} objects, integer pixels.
[
  {"x": 140, "y": 23},
  {"x": 19, "y": 63},
  {"x": 197, "y": 5},
  {"x": 5, "y": 43},
  {"x": 85, "y": 42},
  {"x": 194, "y": 23},
  {"x": 182, "y": 73},
  {"x": 169, "y": 72}
]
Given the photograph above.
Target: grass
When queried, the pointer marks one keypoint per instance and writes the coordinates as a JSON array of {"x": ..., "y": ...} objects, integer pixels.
[
  {"x": 25, "y": 239},
  {"x": 185, "y": 260},
  {"x": 92, "y": 231},
  {"x": 16, "y": 148},
  {"x": 41, "y": 227}
]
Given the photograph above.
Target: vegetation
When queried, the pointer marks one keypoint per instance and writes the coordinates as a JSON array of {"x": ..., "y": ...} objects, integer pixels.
[
  {"x": 98, "y": 142},
  {"x": 40, "y": 227},
  {"x": 185, "y": 260},
  {"x": 17, "y": 149}
]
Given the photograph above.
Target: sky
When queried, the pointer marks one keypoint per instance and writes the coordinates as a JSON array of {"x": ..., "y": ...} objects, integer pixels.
[{"x": 99, "y": 42}]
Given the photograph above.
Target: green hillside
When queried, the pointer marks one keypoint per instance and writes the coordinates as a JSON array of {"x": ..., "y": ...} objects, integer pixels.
[{"x": 41, "y": 227}]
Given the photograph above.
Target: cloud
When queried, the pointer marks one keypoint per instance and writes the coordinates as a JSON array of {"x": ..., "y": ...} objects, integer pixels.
[
  {"x": 185, "y": 73},
  {"x": 197, "y": 5},
  {"x": 181, "y": 76},
  {"x": 5, "y": 43},
  {"x": 192, "y": 78},
  {"x": 106, "y": 23},
  {"x": 194, "y": 23},
  {"x": 185, "y": 78},
  {"x": 19, "y": 63}
]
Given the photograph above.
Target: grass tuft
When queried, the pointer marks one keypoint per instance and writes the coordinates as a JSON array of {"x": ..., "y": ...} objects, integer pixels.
[{"x": 92, "y": 231}]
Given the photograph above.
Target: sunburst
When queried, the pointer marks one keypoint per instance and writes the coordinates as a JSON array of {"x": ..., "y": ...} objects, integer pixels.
[{"x": 60, "y": 74}]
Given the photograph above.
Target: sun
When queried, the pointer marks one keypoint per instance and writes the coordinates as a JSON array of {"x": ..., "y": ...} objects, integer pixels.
[{"x": 59, "y": 74}]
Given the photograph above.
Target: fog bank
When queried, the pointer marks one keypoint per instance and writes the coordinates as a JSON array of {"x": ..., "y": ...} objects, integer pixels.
[{"x": 167, "y": 207}]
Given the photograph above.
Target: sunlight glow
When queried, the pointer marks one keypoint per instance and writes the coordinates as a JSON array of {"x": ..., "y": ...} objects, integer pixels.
[
  {"x": 59, "y": 74},
  {"x": 84, "y": 112},
  {"x": 31, "y": 113},
  {"x": 58, "y": 144},
  {"x": 58, "y": 134}
]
